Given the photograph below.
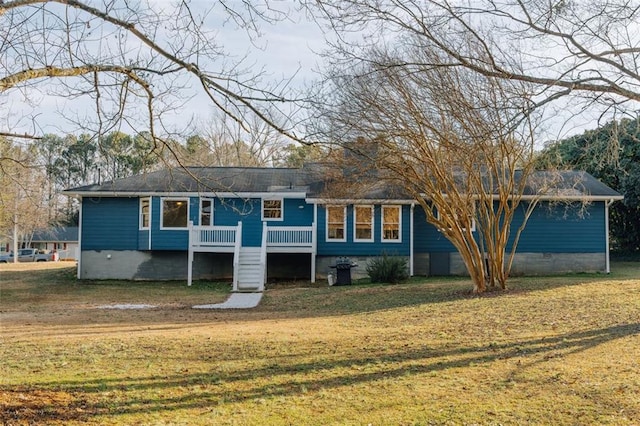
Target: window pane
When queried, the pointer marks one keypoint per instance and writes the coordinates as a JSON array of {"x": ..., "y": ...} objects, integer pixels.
[
  {"x": 364, "y": 222},
  {"x": 144, "y": 212},
  {"x": 391, "y": 223},
  {"x": 335, "y": 223},
  {"x": 174, "y": 214},
  {"x": 205, "y": 212},
  {"x": 272, "y": 209}
]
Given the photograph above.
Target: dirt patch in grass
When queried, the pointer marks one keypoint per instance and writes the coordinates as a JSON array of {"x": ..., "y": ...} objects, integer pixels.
[{"x": 34, "y": 406}]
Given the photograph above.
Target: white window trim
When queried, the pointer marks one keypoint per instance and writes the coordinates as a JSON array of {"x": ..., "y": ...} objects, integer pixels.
[
  {"x": 344, "y": 224},
  {"x": 140, "y": 226},
  {"x": 170, "y": 228},
  {"x": 382, "y": 223},
  {"x": 473, "y": 222},
  {"x": 355, "y": 223},
  {"x": 272, "y": 219},
  {"x": 200, "y": 211}
]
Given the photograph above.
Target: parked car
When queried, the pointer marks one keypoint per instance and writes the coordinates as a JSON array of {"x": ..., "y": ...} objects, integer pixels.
[{"x": 29, "y": 255}]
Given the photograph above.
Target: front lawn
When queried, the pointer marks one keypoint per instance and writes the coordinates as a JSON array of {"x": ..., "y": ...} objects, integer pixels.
[{"x": 551, "y": 350}]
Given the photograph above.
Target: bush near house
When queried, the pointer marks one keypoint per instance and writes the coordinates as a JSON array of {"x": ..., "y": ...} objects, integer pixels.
[{"x": 388, "y": 269}]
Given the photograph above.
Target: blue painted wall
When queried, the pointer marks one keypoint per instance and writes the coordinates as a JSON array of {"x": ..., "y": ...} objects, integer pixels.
[
  {"x": 550, "y": 229},
  {"x": 427, "y": 238},
  {"x": 357, "y": 248},
  {"x": 110, "y": 223},
  {"x": 562, "y": 229},
  {"x": 168, "y": 239}
]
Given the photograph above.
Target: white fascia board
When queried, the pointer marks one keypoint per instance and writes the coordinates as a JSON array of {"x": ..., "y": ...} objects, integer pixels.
[
  {"x": 366, "y": 201},
  {"x": 187, "y": 194},
  {"x": 558, "y": 197},
  {"x": 571, "y": 197}
]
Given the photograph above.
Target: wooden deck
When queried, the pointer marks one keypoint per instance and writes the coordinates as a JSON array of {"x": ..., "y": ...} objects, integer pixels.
[{"x": 275, "y": 239}]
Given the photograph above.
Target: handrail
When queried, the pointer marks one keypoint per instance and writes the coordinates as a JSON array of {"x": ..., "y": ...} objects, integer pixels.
[{"x": 236, "y": 255}]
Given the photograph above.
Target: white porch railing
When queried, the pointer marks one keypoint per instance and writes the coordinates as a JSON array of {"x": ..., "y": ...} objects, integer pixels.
[
  {"x": 214, "y": 236},
  {"x": 290, "y": 236}
]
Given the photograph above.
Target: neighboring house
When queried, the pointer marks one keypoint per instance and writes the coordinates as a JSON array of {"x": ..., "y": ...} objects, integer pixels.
[
  {"x": 252, "y": 223},
  {"x": 63, "y": 240}
]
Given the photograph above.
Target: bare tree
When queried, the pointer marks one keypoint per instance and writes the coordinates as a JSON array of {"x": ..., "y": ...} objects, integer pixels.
[
  {"x": 224, "y": 142},
  {"x": 587, "y": 50},
  {"x": 129, "y": 66},
  {"x": 24, "y": 193},
  {"x": 447, "y": 137}
]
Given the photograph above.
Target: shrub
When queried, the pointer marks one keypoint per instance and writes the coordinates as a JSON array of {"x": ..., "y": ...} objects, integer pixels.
[{"x": 388, "y": 269}]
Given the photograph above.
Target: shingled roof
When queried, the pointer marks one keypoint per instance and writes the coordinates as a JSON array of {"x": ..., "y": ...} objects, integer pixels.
[
  {"x": 313, "y": 182},
  {"x": 209, "y": 180}
]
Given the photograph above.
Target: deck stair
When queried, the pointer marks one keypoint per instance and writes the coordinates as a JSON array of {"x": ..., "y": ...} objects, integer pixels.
[{"x": 249, "y": 270}]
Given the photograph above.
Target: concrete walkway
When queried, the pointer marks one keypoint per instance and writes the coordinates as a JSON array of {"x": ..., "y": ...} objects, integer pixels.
[{"x": 236, "y": 301}]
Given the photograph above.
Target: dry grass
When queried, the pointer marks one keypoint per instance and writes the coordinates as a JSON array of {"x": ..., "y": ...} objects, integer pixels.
[{"x": 553, "y": 350}]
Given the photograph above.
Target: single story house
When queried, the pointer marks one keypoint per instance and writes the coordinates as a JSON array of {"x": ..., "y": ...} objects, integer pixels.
[
  {"x": 250, "y": 224},
  {"x": 62, "y": 240}
]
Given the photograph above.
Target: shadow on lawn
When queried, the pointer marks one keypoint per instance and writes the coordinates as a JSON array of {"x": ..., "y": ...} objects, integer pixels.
[{"x": 90, "y": 398}]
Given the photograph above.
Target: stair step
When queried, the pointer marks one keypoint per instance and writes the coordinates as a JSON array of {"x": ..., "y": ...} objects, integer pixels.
[{"x": 250, "y": 273}]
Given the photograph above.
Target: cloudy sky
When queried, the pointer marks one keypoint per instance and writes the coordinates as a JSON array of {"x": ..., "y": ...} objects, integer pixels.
[{"x": 286, "y": 50}]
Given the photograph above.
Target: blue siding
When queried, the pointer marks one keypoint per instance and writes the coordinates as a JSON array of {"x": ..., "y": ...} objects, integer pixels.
[
  {"x": 562, "y": 229},
  {"x": 550, "y": 229},
  {"x": 427, "y": 238},
  {"x": 143, "y": 240},
  {"x": 296, "y": 213},
  {"x": 110, "y": 223},
  {"x": 229, "y": 211},
  {"x": 167, "y": 239},
  {"x": 353, "y": 248}
]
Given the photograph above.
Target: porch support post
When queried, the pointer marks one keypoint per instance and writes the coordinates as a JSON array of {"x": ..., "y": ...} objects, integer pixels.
[
  {"x": 314, "y": 240},
  {"x": 190, "y": 255}
]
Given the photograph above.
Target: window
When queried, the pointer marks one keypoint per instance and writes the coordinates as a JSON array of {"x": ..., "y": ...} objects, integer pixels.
[
  {"x": 336, "y": 223},
  {"x": 391, "y": 223},
  {"x": 459, "y": 214},
  {"x": 145, "y": 212},
  {"x": 206, "y": 212},
  {"x": 363, "y": 223},
  {"x": 272, "y": 210},
  {"x": 175, "y": 213}
]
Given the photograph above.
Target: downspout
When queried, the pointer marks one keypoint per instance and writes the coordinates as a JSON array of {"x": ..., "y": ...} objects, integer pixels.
[
  {"x": 411, "y": 242},
  {"x": 78, "y": 273},
  {"x": 607, "y": 204}
]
